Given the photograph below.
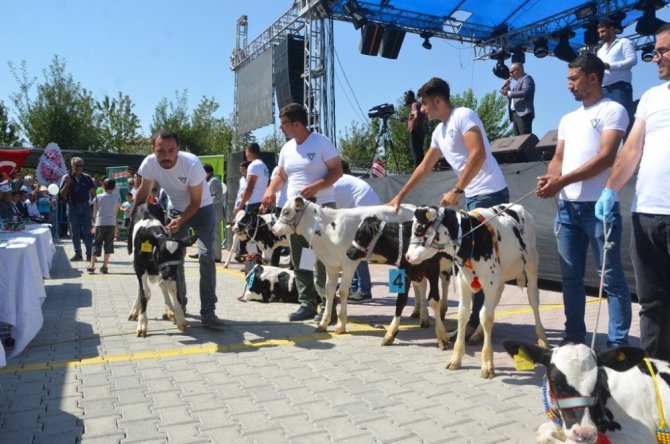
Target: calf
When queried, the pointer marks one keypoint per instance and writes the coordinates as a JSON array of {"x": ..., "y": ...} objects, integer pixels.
[
  {"x": 258, "y": 228},
  {"x": 612, "y": 392},
  {"x": 271, "y": 284},
  {"x": 490, "y": 246},
  {"x": 387, "y": 243},
  {"x": 330, "y": 232},
  {"x": 156, "y": 258}
]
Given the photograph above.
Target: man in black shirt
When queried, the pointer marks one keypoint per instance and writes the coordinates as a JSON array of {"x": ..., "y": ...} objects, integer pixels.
[{"x": 77, "y": 189}]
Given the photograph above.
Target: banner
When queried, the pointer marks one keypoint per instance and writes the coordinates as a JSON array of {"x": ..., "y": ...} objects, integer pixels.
[{"x": 12, "y": 160}]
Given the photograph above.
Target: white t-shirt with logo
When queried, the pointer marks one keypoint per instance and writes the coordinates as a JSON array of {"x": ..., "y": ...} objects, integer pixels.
[
  {"x": 581, "y": 130},
  {"x": 652, "y": 193},
  {"x": 306, "y": 163},
  {"x": 352, "y": 192},
  {"x": 449, "y": 139},
  {"x": 176, "y": 181},
  {"x": 260, "y": 170}
]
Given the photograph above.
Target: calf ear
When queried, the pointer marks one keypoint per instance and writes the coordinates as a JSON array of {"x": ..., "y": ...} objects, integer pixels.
[
  {"x": 621, "y": 358},
  {"x": 425, "y": 214},
  {"x": 299, "y": 203},
  {"x": 536, "y": 354}
]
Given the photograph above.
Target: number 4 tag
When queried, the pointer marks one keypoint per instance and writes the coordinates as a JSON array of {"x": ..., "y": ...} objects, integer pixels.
[{"x": 396, "y": 281}]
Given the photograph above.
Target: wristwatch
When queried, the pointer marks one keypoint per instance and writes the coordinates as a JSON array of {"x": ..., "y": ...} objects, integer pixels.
[{"x": 457, "y": 190}]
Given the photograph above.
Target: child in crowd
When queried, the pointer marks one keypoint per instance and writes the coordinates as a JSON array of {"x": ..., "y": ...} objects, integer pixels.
[
  {"x": 104, "y": 210},
  {"x": 126, "y": 207},
  {"x": 43, "y": 204}
]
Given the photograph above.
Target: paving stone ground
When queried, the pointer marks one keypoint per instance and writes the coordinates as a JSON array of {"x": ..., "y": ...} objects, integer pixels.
[{"x": 86, "y": 377}]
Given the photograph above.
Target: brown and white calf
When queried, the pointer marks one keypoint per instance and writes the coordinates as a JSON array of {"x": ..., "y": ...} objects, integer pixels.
[
  {"x": 611, "y": 392},
  {"x": 386, "y": 243},
  {"x": 258, "y": 228},
  {"x": 156, "y": 258},
  {"x": 330, "y": 233},
  {"x": 490, "y": 246}
]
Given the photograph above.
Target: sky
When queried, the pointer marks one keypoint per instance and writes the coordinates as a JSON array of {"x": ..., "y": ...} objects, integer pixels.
[{"x": 149, "y": 49}]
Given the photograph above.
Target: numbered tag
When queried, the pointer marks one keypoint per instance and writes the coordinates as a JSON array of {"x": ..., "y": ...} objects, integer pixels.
[
  {"x": 146, "y": 247},
  {"x": 522, "y": 362},
  {"x": 307, "y": 260},
  {"x": 396, "y": 281},
  {"x": 251, "y": 281}
]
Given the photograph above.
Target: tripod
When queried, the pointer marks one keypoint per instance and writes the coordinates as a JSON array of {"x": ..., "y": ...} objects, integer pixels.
[{"x": 383, "y": 141}]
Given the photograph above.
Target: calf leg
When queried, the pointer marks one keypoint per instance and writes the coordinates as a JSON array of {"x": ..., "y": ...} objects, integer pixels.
[
  {"x": 142, "y": 321},
  {"x": 486, "y": 319},
  {"x": 236, "y": 240},
  {"x": 464, "y": 306},
  {"x": 135, "y": 310},
  {"x": 345, "y": 284},
  {"x": 434, "y": 298},
  {"x": 534, "y": 302},
  {"x": 332, "y": 276},
  {"x": 169, "y": 289},
  {"x": 444, "y": 306}
]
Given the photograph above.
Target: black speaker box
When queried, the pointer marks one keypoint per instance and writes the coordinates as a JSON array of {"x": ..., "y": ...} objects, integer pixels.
[
  {"x": 288, "y": 64},
  {"x": 391, "y": 42},
  {"x": 516, "y": 149},
  {"x": 371, "y": 38},
  {"x": 547, "y": 145}
]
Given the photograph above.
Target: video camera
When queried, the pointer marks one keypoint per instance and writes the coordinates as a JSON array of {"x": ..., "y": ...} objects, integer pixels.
[{"x": 382, "y": 111}]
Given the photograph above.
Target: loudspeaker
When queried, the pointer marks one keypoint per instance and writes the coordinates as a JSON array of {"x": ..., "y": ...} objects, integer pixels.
[
  {"x": 547, "y": 145},
  {"x": 288, "y": 64},
  {"x": 391, "y": 42},
  {"x": 371, "y": 38},
  {"x": 516, "y": 149}
]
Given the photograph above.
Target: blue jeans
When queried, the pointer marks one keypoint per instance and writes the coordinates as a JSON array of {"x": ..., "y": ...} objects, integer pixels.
[
  {"x": 202, "y": 223},
  {"x": 622, "y": 93},
  {"x": 483, "y": 201},
  {"x": 79, "y": 216},
  {"x": 361, "y": 280},
  {"x": 576, "y": 226}
]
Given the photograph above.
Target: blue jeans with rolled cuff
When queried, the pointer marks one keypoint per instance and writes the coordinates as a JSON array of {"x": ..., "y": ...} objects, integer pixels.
[
  {"x": 79, "y": 216},
  {"x": 361, "y": 280}
]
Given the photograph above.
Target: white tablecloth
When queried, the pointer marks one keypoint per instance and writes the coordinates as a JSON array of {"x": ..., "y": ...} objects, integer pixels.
[
  {"x": 44, "y": 244},
  {"x": 21, "y": 290}
]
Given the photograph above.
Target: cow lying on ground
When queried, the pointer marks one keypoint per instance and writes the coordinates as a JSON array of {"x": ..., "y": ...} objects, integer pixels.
[
  {"x": 271, "y": 284},
  {"x": 156, "y": 257},
  {"x": 330, "y": 233},
  {"x": 384, "y": 243},
  {"x": 610, "y": 392},
  {"x": 488, "y": 254},
  {"x": 258, "y": 228}
]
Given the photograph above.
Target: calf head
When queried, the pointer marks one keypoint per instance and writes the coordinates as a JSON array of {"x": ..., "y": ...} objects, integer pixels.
[
  {"x": 365, "y": 233},
  {"x": 242, "y": 222},
  {"x": 428, "y": 234},
  {"x": 290, "y": 217},
  {"x": 169, "y": 254},
  {"x": 574, "y": 382}
]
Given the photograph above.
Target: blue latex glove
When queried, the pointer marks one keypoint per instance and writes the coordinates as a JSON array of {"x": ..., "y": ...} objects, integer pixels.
[{"x": 605, "y": 204}]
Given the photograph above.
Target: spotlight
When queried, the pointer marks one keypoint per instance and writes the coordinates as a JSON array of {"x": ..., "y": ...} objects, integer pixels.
[
  {"x": 591, "y": 34},
  {"x": 518, "y": 55},
  {"x": 585, "y": 11},
  {"x": 617, "y": 18},
  {"x": 563, "y": 50},
  {"x": 540, "y": 48},
  {"x": 426, "y": 39},
  {"x": 500, "y": 54},
  {"x": 354, "y": 11},
  {"x": 501, "y": 70},
  {"x": 648, "y": 52},
  {"x": 648, "y": 24}
]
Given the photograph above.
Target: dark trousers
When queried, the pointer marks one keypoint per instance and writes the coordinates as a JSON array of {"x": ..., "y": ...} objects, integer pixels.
[
  {"x": 416, "y": 144},
  {"x": 522, "y": 124},
  {"x": 650, "y": 252}
]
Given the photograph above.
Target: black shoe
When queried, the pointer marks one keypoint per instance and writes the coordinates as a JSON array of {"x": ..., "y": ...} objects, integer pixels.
[
  {"x": 193, "y": 256},
  {"x": 359, "y": 296},
  {"x": 322, "y": 311},
  {"x": 76, "y": 258},
  {"x": 212, "y": 321},
  {"x": 302, "y": 314},
  {"x": 88, "y": 258}
]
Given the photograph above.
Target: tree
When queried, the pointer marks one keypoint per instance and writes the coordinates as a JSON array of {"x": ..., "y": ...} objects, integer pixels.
[
  {"x": 119, "y": 125},
  {"x": 492, "y": 110},
  {"x": 357, "y": 145},
  {"x": 9, "y": 131},
  {"x": 62, "y": 110}
]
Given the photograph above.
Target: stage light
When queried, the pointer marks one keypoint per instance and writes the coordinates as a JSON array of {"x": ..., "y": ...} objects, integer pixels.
[
  {"x": 501, "y": 70},
  {"x": 499, "y": 54},
  {"x": 586, "y": 11},
  {"x": 648, "y": 24},
  {"x": 618, "y": 18},
  {"x": 518, "y": 55},
  {"x": 647, "y": 52},
  {"x": 540, "y": 48},
  {"x": 563, "y": 50},
  {"x": 426, "y": 39},
  {"x": 591, "y": 34},
  {"x": 354, "y": 11}
]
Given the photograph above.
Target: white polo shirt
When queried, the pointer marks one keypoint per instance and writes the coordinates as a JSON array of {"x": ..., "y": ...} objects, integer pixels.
[{"x": 621, "y": 57}]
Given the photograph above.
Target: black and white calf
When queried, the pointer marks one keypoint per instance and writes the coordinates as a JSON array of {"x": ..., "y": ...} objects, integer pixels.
[
  {"x": 258, "y": 228},
  {"x": 271, "y": 284},
  {"x": 330, "y": 233},
  {"x": 490, "y": 246},
  {"x": 156, "y": 258},
  {"x": 611, "y": 392},
  {"x": 387, "y": 243}
]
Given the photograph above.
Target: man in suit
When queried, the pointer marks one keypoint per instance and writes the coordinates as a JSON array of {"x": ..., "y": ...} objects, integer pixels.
[{"x": 521, "y": 97}]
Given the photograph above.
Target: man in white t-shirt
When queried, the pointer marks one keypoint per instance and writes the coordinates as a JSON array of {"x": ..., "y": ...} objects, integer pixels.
[
  {"x": 182, "y": 176},
  {"x": 310, "y": 164},
  {"x": 258, "y": 176},
  {"x": 588, "y": 140},
  {"x": 459, "y": 137},
  {"x": 648, "y": 145},
  {"x": 619, "y": 56},
  {"x": 352, "y": 192}
]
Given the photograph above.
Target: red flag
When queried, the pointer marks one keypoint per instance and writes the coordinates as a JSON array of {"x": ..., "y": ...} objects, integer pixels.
[{"x": 12, "y": 160}]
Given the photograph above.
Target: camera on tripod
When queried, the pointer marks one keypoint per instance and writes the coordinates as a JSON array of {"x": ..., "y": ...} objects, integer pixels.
[{"x": 382, "y": 111}]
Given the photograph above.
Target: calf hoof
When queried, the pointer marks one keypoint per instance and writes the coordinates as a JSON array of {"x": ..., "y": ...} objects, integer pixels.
[
  {"x": 454, "y": 366},
  {"x": 424, "y": 323},
  {"x": 487, "y": 373},
  {"x": 340, "y": 330},
  {"x": 141, "y": 333},
  {"x": 182, "y": 327},
  {"x": 414, "y": 315},
  {"x": 542, "y": 343},
  {"x": 389, "y": 338},
  {"x": 321, "y": 329},
  {"x": 442, "y": 344}
]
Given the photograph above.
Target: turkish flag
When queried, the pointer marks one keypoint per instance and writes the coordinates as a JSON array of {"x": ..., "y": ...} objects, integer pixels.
[{"x": 12, "y": 160}]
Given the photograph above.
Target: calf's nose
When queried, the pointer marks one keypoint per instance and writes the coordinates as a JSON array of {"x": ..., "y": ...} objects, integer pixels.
[{"x": 584, "y": 434}]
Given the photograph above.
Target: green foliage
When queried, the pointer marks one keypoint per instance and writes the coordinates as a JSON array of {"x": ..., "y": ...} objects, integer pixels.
[
  {"x": 62, "y": 110},
  {"x": 492, "y": 110},
  {"x": 9, "y": 130},
  {"x": 119, "y": 125},
  {"x": 273, "y": 142},
  {"x": 357, "y": 144}
]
